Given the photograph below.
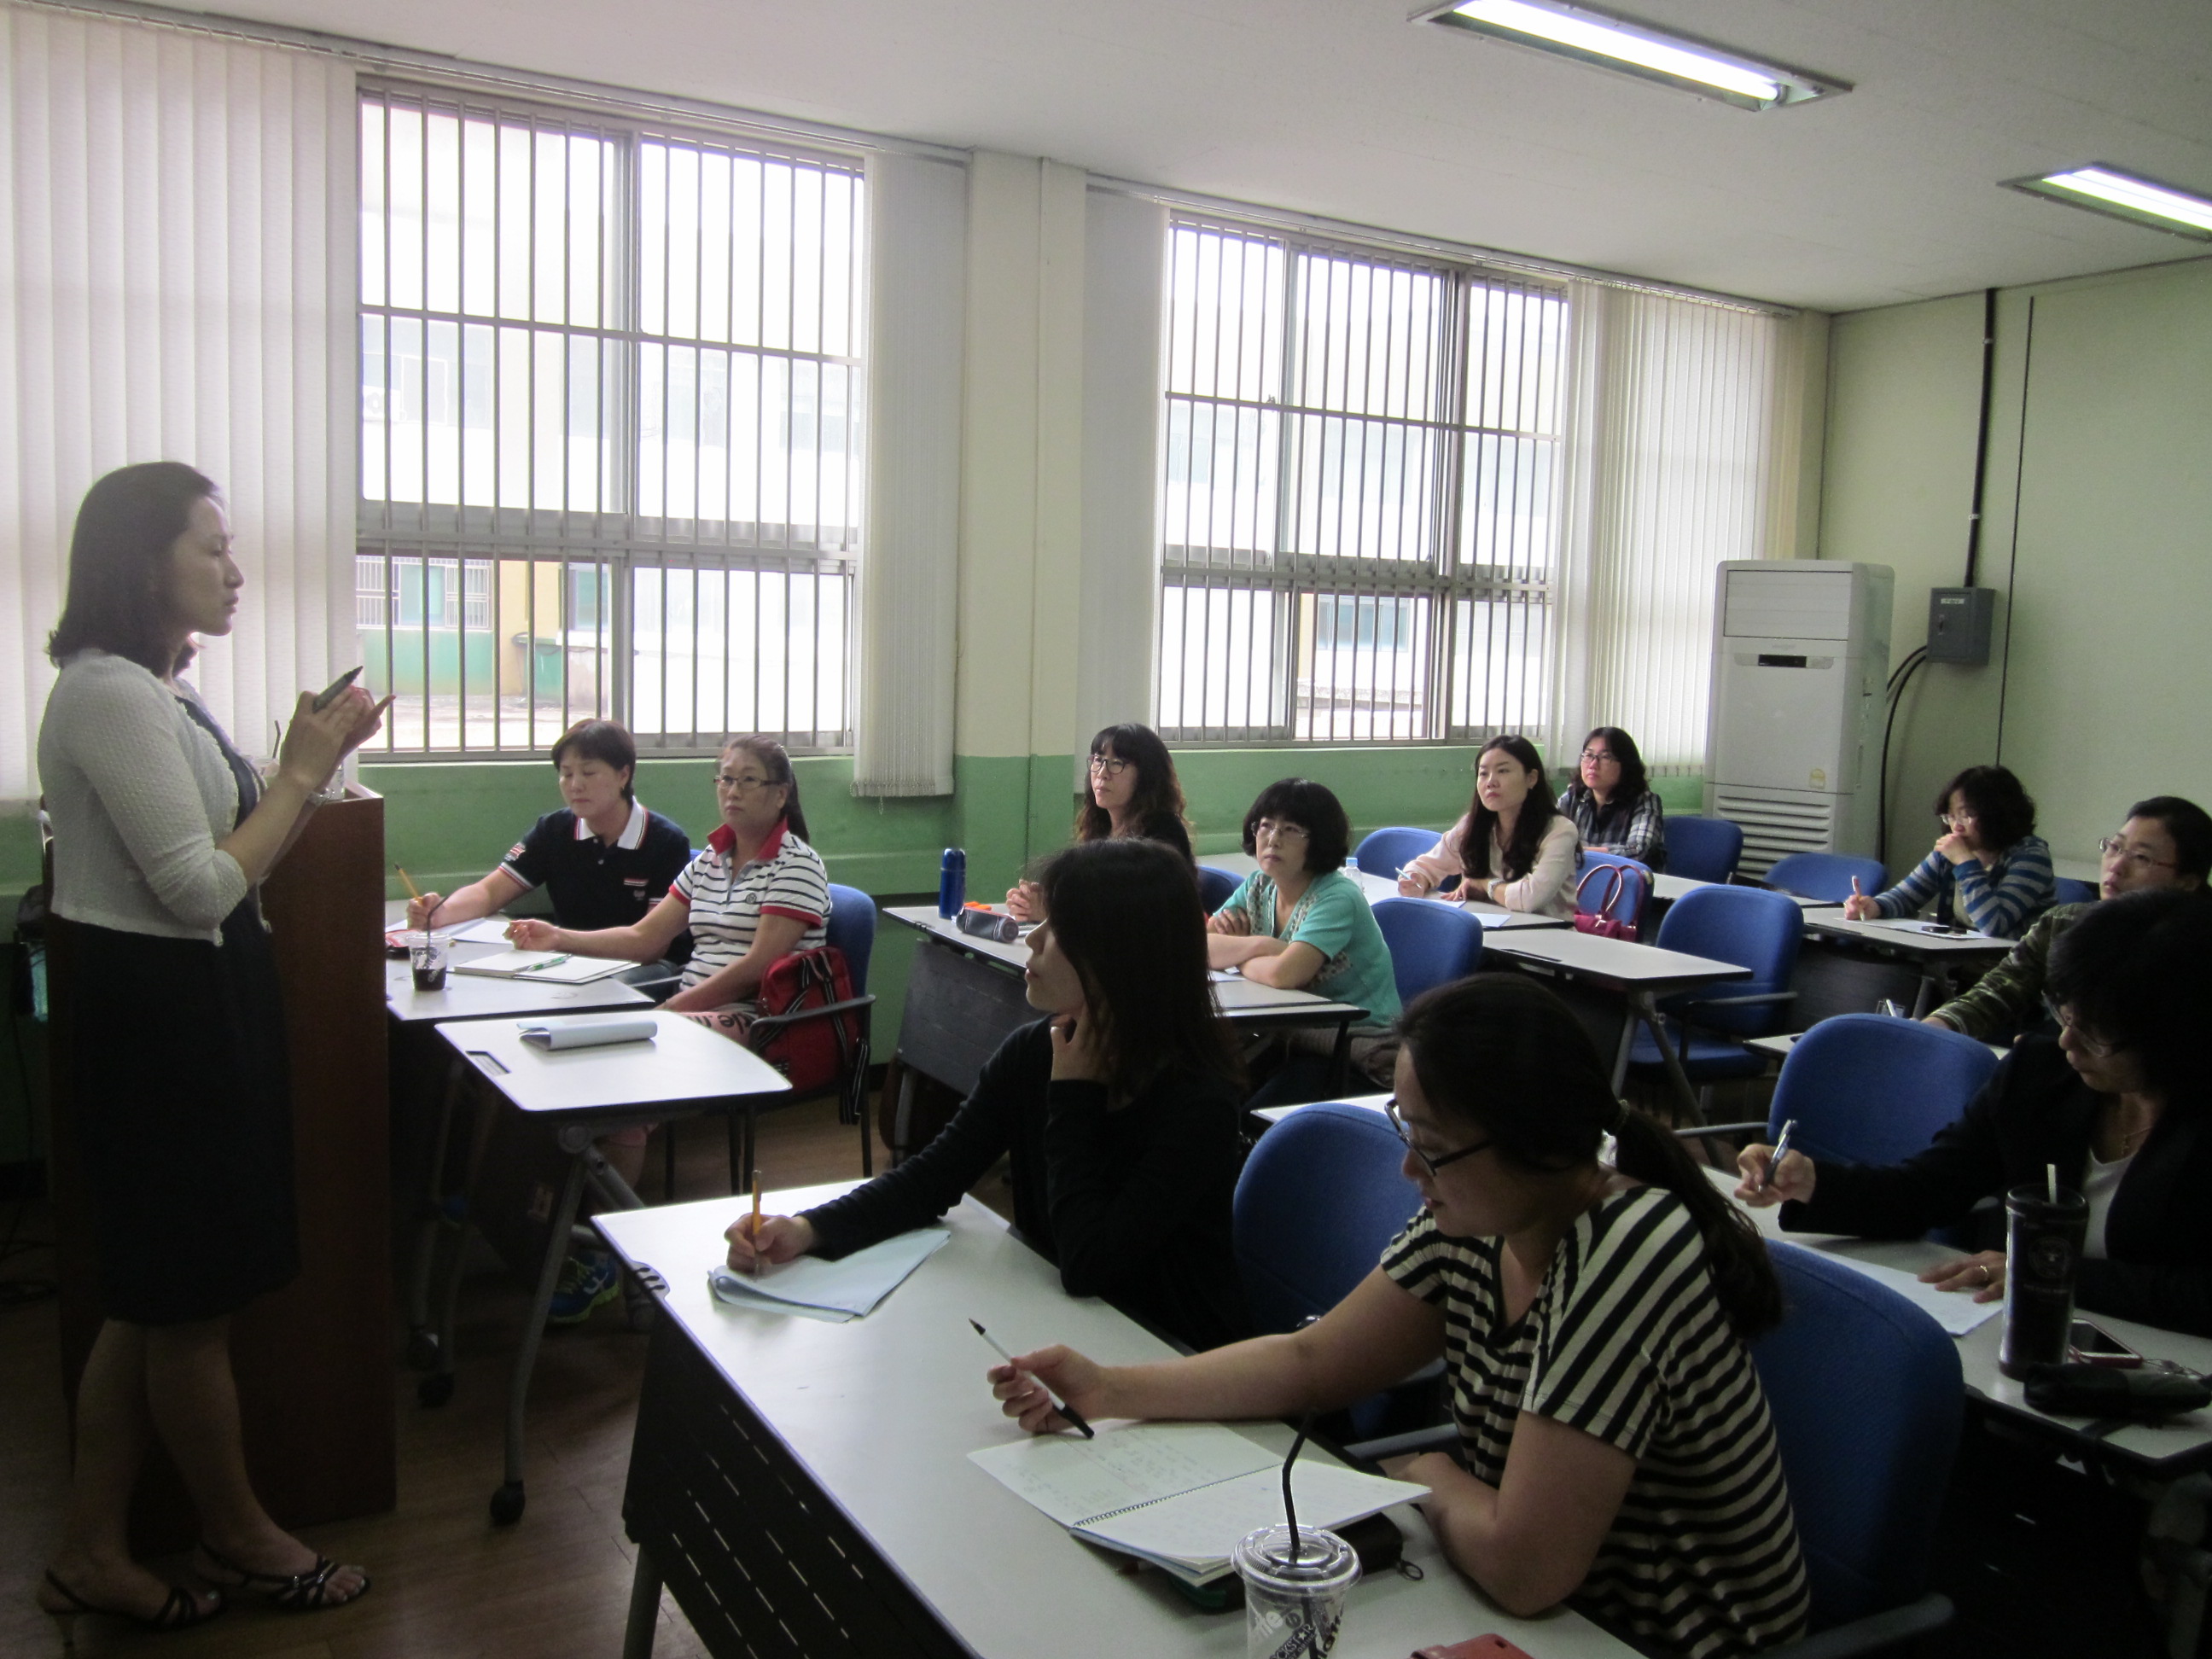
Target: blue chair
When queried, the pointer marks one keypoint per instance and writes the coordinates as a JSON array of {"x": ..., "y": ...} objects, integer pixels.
[
  {"x": 1635, "y": 887},
  {"x": 2077, "y": 892},
  {"x": 1870, "y": 1089},
  {"x": 1703, "y": 850},
  {"x": 1385, "y": 852},
  {"x": 1214, "y": 887},
  {"x": 1826, "y": 875},
  {"x": 1751, "y": 928},
  {"x": 1866, "y": 1397},
  {"x": 1430, "y": 943}
]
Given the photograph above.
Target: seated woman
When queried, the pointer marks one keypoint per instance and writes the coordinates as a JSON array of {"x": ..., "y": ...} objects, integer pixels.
[
  {"x": 603, "y": 858},
  {"x": 1132, "y": 791},
  {"x": 2119, "y": 1101},
  {"x": 1988, "y": 870},
  {"x": 1511, "y": 846},
  {"x": 1300, "y": 923},
  {"x": 1119, "y": 1109},
  {"x": 1618, "y": 1452},
  {"x": 1611, "y": 804}
]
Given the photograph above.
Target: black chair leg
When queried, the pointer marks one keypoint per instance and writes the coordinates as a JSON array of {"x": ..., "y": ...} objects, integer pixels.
[
  {"x": 668, "y": 1163},
  {"x": 741, "y": 1168}
]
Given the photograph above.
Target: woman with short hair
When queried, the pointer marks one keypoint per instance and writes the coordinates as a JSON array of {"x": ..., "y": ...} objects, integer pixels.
[
  {"x": 1512, "y": 845},
  {"x": 1131, "y": 790},
  {"x": 1987, "y": 871},
  {"x": 1612, "y": 804}
]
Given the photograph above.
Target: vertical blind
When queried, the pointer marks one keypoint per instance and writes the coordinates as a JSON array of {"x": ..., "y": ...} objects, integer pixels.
[{"x": 611, "y": 431}]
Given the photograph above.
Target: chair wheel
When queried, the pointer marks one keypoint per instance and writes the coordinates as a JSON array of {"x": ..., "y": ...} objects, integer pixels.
[
  {"x": 507, "y": 1504},
  {"x": 435, "y": 1389},
  {"x": 423, "y": 1351}
]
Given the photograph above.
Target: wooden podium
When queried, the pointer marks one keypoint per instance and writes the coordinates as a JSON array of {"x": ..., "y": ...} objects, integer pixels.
[{"x": 315, "y": 1361}]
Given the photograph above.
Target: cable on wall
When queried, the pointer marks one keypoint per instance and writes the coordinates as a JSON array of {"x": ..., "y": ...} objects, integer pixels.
[{"x": 1898, "y": 681}]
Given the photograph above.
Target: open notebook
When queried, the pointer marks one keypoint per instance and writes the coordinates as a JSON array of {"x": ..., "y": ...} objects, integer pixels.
[
  {"x": 550, "y": 966},
  {"x": 848, "y": 1288},
  {"x": 1179, "y": 1495}
]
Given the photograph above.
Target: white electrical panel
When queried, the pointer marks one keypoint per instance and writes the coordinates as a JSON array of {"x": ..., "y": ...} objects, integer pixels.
[{"x": 1801, "y": 659}]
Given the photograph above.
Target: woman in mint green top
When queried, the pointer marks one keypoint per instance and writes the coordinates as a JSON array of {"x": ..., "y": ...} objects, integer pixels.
[{"x": 1299, "y": 922}]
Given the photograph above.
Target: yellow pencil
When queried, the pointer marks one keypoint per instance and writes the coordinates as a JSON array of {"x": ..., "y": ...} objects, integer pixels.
[
  {"x": 408, "y": 882},
  {"x": 756, "y": 1198}
]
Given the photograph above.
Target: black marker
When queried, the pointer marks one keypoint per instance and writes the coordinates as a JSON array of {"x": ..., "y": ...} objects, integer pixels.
[
  {"x": 1075, "y": 1417},
  {"x": 337, "y": 685}
]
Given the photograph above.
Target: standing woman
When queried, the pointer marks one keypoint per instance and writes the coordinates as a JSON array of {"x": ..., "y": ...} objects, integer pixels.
[
  {"x": 1132, "y": 791},
  {"x": 1988, "y": 870},
  {"x": 162, "y": 835},
  {"x": 1512, "y": 845},
  {"x": 1611, "y": 804}
]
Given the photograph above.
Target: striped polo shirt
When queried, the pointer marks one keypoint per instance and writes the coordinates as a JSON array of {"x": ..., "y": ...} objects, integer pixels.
[
  {"x": 1626, "y": 1340},
  {"x": 727, "y": 900}
]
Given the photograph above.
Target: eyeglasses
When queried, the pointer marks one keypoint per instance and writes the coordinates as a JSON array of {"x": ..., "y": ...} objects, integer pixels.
[
  {"x": 744, "y": 786},
  {"x": 1596, "y": 756},
  {"x": 1268, "y": 829},
  {"x": 1954, "y": 819},
  {"x": 1432, "y": 1165},
  {"x": 2120, "y": 853},
  {"x": 1109, "y": 766},
  {"x": 2095, "y": 1047}
]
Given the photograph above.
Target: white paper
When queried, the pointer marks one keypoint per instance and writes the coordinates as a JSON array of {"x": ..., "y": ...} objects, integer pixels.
[
  {"x": 1956, "y": 1311},
  {"x": 849, "y": 1288},
  {"x": 1075, "y": 1481},
  {"x": 484, "y": 930},
  {"x": 541, "y": 967},
  {"x": 1200, "y": 1529},
  {"x": 1929, "y": 929}
]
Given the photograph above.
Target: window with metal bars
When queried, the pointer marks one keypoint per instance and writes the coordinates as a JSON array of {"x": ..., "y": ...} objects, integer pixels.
[
  {"x": 611, "y": 428},
  {"x": 1359, "y": 493}
]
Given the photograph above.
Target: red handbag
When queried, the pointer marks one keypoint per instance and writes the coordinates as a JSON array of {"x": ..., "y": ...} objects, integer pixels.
[
  {"x": 1624, "y": 892},
  {"x": 812, "y": 1053}
]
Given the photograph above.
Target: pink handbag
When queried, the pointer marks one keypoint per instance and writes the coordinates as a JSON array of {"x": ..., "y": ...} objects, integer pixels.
[{"x": 1622, "y": 893}]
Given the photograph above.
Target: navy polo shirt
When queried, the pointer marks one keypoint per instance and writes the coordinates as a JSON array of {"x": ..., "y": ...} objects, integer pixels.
[{"x": 592, "y": 884}]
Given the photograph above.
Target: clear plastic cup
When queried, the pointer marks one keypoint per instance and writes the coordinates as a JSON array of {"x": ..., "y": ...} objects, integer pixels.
[
  {"x": 427, "y": 956},
  {"x": 1293, "y": 1608}
]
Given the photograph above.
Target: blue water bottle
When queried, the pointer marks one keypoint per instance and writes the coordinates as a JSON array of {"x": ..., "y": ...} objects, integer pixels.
[{"x": 951, "y": 883}]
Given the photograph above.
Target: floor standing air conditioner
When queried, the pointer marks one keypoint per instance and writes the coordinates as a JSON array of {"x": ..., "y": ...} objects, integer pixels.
[{"x": 1801, "y": 658}]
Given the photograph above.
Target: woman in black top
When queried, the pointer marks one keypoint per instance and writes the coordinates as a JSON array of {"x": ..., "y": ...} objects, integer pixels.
[
  {"x": 1132, "y": 791},
  {"x": 1119, "y": 1108},
  {"x": 2120, "y": 1101}
]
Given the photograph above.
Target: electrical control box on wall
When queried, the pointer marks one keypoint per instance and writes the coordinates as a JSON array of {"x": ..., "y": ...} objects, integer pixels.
[
  {"x": 1960, "y": 623},
  {"x": 1801, "y": 662}
]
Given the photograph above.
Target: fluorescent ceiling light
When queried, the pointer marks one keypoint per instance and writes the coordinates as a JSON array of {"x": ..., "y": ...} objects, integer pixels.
[
  {"x": 2107, "y": 189},
  {"x": 1633, "y": 48}
]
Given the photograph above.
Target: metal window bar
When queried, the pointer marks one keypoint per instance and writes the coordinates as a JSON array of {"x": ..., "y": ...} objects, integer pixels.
[{"x": 503, "y": 317}]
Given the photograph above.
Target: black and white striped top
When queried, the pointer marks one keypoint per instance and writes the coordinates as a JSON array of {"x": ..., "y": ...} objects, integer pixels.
[
  {"x": 1626, "y": 1340},
  {"x": 727, "y": 899}
]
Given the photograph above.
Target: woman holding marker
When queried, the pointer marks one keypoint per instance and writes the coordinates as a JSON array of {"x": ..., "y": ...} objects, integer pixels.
[
  {"x": 1987, "y": 871},
  {"x": 1132, "y": 791},
  {"x": 162, "y": 835},
  {"x": 1512, "y": 845},
  {"x": 1590, "y": 1294},
  {"x": 1119, "y": 1108}
]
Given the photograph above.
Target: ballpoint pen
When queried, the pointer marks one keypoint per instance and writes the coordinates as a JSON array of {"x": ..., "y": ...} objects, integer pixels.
[
  {"x": 1075, "y": 1417},
  {"x": 1781, "y": 1151}
]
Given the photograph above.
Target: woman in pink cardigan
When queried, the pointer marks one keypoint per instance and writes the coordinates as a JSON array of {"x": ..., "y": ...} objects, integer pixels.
[{"x": 1511, "y": 846}]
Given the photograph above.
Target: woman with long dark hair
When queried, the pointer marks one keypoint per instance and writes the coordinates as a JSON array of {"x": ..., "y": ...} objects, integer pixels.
[
  {"x": 1611, "y": 801},
  {"x": 1591, "y": 1294},
  {"x": 1119, "y": 1108},
  {"x": 1988, "y": 870},
  {"x": 169, "y": 1026},
  {"x": 1132, "y": 790},
  {"x": 1511, "y": 846}
]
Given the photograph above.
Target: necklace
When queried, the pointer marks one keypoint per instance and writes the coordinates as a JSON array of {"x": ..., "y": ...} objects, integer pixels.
[{"x": 2133, "y": 1138}]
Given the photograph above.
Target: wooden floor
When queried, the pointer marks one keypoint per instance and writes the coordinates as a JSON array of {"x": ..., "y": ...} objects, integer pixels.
[{"x": 447, "y": 1582}]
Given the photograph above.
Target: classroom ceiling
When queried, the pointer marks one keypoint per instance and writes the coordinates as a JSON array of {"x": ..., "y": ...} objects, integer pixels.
[{"x": 1344, "y": 108}]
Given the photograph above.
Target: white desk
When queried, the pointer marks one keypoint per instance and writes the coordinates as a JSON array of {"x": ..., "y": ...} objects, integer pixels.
[
  {"x": 803, "y": 1488},
  {"x": 1779, "y": 1046},
  {"x": 469, "y": 996},
  {"x": 1491, "y": 916},
  {"x": 1666, "y": 889},
  {"x": 1934, "y": 954}
]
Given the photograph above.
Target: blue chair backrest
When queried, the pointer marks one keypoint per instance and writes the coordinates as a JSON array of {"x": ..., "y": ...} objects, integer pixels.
[
  {"x": 1867, "y": 1396},
  {"x": 1635, "y": 886},
  {"x": 1703, "y": 850},
  {"x": 2071, "y": 892},
  {"x": 1872, "y": 1090},
  {"x": 1320, "y": 1196},
  {"x": 1748, "y": 926},
  {"x": 1430, "y": 943},
  {"x": 1826, "y": 875},
  {"x": 1386, "y": 851},
  {"x": 853, "y": 930},
  {"x": 1214, "y": 887}
]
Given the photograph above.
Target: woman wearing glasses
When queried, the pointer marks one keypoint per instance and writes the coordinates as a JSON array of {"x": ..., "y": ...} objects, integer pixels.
[
  {"x": 2119, "y": 1101},
  {"x": 1118, "y": 1109},
  {"x": 1512, "y": 845},
  {"x": 1590, "y": 1293},
  {"x": 1987, "y": 871},
  {"x": 1610, "y": 803},
  {"x": 1132, "y": 791},
  {"x": 1299, "y": 922}
]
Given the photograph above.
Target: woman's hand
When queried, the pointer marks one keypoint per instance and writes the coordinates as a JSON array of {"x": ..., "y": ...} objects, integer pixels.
[
  {"x": 318, "y": 739},
  {"x": 531, "y": 934},
  {"x": 1474, "y": 887},
  {"x": 1025, "y": 902},
  {"x": 1793, "y": 1180},
  {"x": 1021, "y": 1387},
  {"x": 1412, "y": 883},
  {"x": 1984, "y": 1274},
  {"x": 1954, "y": 848},
  {"x": 781, "y": 1239},
  {"x": 1236, "y": 924},
  {"x": 1075, "y": 1052},
  {"x": 420, "y": 910},
  {"x": 1860, "y": 907},
  {"x": 370, "y": 720}
]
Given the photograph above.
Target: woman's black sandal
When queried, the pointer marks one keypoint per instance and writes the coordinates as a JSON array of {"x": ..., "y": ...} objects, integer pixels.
[
  {"x": 298, "y": 1592},
  {"x": 181, "y": 1611}
]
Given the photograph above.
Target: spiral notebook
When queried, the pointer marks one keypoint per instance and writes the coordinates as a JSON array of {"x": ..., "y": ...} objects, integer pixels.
[{"x": 1179, "y": 1495}]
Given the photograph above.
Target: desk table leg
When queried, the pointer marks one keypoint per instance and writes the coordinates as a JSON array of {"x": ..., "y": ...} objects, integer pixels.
[
  {"x": 506, "y": 1503},
  {"x": 422, "y": 1342},
  {"x": 437, "y": 1388},
  {"x": 1932, "y": 980},
  {"x": 644, "y": 1607},
  {"x": 1647, "y": 1010},
  {"x": 1340, "y": 1059}
]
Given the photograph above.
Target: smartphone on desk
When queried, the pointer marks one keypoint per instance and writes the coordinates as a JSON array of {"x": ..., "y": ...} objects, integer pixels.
[
  {"x": 2092, "y": 1345},
  {"x": 1479, "y": 1647}
]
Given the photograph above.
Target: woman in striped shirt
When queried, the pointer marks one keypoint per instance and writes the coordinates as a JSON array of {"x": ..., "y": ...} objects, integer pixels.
[
  {"x": 1988, "y": 870},
  {"x": 1591, "y": 1295}
]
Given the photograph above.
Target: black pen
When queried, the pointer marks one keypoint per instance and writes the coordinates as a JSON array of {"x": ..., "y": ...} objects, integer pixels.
[
  {"x": 1074, "y": 1417},
  {"x": 1781, "y": 1150},
  {"x": 330, "y": 692}
]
